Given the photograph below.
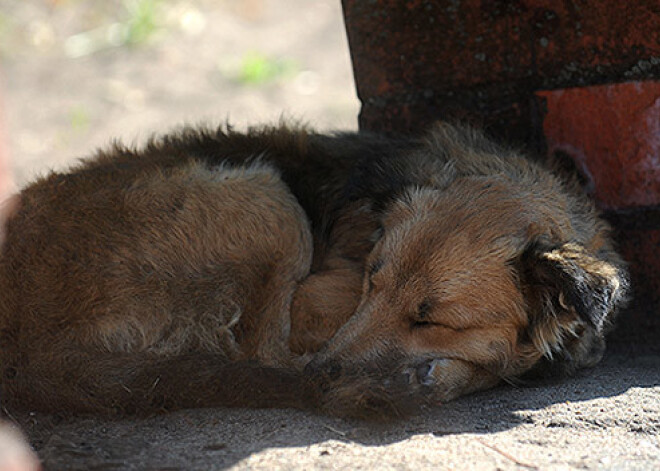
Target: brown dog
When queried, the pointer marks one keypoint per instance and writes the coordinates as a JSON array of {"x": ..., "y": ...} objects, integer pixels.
[{"x": 180, "y": 275}]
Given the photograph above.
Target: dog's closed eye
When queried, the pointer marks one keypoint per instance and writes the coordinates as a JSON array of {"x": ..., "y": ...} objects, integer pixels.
[
  {"x": 375, "y": 267},
  {"x": 421, "y": 318},
  {"x": 423, "y": 309}
]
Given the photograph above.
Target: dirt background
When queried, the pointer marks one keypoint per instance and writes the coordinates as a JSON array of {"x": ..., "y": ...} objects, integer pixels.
[{"x": 79, "y": 73}]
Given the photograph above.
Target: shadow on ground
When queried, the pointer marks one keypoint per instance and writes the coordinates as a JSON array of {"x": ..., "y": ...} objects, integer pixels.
[{"x": 611, "y": 396}]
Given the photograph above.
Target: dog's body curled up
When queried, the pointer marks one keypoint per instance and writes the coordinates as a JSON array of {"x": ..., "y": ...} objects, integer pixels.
[{"x": 285, "y": 268}]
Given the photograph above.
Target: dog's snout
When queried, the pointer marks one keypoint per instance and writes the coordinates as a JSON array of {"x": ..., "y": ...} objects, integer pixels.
[{"x": 331, "y": 369}]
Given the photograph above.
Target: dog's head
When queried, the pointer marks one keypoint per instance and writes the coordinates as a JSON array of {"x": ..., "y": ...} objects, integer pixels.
[{"x": 468, "y": 285}]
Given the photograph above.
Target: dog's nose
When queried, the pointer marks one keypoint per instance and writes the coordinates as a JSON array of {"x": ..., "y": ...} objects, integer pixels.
[
  {"x": 424, "y": 370},
  {"x": 331, "y": 369}
]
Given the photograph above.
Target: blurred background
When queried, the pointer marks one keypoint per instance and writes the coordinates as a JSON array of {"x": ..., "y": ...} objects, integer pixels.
[{"x": 76, "y": 74}]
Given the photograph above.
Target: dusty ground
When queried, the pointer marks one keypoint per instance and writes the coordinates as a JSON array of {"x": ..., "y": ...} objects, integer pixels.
[
  {"x": 607, "y": 418},
  {"x": 79, "y": 73}
]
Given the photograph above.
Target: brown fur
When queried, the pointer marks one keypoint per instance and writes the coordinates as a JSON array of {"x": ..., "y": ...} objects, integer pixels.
[
  {"x": 110, "y": 273},
  {"x": 490, "y": 266},
  {"x": 183, "y": 275}
]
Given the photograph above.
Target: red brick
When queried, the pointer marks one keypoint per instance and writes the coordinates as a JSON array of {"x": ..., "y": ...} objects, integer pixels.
[
  {"x": 613, "y": 133},
  {"x": 403, "y": 47}
]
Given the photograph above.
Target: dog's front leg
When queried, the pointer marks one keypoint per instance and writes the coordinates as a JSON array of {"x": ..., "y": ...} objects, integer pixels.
[{"x": 321, "y": 305}]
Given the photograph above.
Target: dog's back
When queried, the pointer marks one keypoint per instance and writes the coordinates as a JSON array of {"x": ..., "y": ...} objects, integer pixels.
[{"x": 140, "y": 283}]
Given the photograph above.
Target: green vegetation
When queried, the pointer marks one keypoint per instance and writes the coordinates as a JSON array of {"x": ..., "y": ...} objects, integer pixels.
[
  {"x": 79, "y": 118},
  {"x": 137, "y": 23},
  {"x": 142, "y": 20},
  {"x": 257, "y": 68}
]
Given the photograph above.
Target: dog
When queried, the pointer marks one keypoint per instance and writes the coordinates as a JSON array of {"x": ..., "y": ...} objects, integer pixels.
[{"x": 351, "y": 272}]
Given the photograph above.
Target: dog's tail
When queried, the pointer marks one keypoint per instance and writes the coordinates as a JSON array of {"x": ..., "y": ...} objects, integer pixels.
[{"x": 145, "y": 384}]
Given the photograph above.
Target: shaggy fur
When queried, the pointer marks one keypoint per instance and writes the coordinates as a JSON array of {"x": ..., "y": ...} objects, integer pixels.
[{"x": 183, "y": 275}]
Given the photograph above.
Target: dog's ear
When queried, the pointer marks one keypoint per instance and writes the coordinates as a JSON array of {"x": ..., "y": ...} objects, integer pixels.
[{"x": 571, "y": 296}]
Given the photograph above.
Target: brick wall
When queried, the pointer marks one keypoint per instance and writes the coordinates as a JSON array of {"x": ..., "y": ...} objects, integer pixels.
[{"x": 581, "y": 78}]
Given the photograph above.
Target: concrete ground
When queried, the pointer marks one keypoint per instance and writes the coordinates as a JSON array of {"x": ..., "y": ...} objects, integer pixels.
[{"x": 77, "y": 74}]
